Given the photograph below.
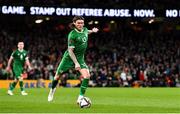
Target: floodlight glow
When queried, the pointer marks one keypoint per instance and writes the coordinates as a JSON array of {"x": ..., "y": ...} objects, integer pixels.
[{"x": 39, "y": 21}]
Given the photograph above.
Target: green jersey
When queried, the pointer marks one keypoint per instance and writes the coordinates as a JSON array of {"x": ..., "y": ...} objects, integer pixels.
[
  {"x": 78, "y": 41},
  {"x": 19, "y": 58}
]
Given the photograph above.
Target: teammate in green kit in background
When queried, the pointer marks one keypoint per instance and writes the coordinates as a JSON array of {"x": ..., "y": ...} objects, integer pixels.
[
  {"x": 19, "y": 58},
  {"x": 74, "y": 56}
]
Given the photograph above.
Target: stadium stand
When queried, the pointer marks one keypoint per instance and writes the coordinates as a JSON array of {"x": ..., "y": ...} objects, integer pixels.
[{"x": 124, "y": 55}]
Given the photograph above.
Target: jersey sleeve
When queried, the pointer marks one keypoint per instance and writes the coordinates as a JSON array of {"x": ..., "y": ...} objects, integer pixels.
[
  {"x": 13, "y": 54},
  {"x": 26, "y": 56},
  {"x": 71, "y": 40},
  {"x": 86, "y": 29}
]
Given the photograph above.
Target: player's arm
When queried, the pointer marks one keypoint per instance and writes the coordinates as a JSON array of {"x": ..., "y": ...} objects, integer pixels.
[
  {"x": 28, "y": 63},
  {"x": 71, "y": 46},
  {"x": 93, "y": 30},
  {"x": 9, "y": 63},
  {"x": 73, "y": 57}
]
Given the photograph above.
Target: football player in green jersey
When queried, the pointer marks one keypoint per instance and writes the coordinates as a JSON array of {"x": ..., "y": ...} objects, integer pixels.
[
  {"x": 74, "y": 56},
  {"x": 19, "y": 58}
]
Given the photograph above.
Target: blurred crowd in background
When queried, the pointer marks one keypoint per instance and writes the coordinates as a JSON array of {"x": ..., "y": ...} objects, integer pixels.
[{"x": 117, "y": 56}]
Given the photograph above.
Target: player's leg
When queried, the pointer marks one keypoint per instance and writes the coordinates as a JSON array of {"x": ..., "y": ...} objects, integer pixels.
[
  {"x": 21, "y": 84},
  {"x": 53, "y": 87},
  {"x": 63, "y": 66},
  {"x": 86, "y": 75},
  {"x": 12, "y": 86},
  {"x": 16, "y": 73},
  {"x": 55, "y": 82}
]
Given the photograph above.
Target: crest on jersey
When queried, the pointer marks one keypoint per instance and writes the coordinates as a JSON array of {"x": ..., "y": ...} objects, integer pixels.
[
  {"x": 21, "y": 57},
  {"x": 84, "y": 39}
]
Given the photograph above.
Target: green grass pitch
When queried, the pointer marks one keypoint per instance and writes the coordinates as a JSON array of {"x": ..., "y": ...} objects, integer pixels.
[{"x": 104, "y": 100}]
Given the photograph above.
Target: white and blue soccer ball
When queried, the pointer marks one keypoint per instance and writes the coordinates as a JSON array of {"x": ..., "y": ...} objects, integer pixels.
[{"x": 85, "y": 102}]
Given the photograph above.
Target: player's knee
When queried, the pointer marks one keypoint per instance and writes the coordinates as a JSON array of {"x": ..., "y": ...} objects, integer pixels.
[
  {"x": 15, "y": 80},
  {"x": 86, "y": 76},
  {"x": 56, "y": 77},
  {"x": 21, "y": 79},
  {"x": 85, "y": 73}
]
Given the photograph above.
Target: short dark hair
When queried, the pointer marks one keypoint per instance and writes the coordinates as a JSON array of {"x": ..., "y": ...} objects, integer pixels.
[{"x": 19, "y": 41}]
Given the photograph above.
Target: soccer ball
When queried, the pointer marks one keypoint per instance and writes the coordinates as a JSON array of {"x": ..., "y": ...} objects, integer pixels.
[{"x": 85, "y": 102}]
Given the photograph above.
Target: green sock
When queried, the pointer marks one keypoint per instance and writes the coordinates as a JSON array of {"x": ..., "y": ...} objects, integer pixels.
[
  {"x": 21, "y": 85},
  {"x": 54, "y": 83},
  {"x": 84, "y": 86},
  {"x": 13, "y": 85}
]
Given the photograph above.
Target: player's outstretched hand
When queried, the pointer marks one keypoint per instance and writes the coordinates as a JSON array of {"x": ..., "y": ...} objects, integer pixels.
[{"x": 95, "y": 29}]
